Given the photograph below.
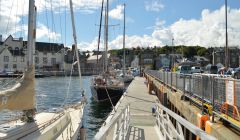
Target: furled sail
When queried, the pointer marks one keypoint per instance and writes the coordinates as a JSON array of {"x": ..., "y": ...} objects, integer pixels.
[{"x": 22, "y": 95}]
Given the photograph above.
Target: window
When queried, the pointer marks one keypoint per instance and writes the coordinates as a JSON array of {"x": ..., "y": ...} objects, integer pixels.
[
  {"x": 22, "y": 59},
  {"x": 14, "y": 59},
  {"x": 17, "y": 49},
  {"x": 53, "y": 61},
  {"x": 36, "y": 60},
  {"x": 45, "y": 61},
  {"x": 15, "y": 66},
  {"x": 6, "y": 59},
  {"x": 234, "y": 60},
  {"x": 6, "y": 66}
]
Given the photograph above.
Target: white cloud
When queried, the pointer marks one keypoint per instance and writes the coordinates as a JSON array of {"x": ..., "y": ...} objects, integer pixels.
[
  {"x": 154, "y": 5},
  {"x": 208, "y": 31},
  {"x": 11, "y": 13},
  {"x": 117, "y": 13},
  {"x": 44, "y": 33}
]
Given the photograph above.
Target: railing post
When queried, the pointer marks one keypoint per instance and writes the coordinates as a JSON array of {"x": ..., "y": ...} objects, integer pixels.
[
  {"x": 176, "y": 81},
  {"x": 202, "y": 95},
  {"x": 171, "y": 82},
  {"x": 184, "y": 86},
  {"x": 212, "y": 90}
]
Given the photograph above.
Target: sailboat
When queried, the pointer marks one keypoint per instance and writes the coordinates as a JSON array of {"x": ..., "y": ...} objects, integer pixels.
[
  {"x": 58, "y": 124},
  {"x": 126, "y": 77},
  {"x": 107, "y": 86}
]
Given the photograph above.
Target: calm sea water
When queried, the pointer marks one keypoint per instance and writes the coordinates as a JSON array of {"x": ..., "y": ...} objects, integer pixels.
[{"x": 52, "y": 92}]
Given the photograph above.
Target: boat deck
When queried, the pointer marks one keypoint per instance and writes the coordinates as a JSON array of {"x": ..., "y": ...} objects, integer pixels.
[
  {"x": 142, "y": 122},
  {"x": 50, "y": 125}
]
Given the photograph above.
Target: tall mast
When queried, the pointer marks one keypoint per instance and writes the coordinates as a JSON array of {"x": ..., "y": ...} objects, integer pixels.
[
  {"x": 124, "y": 53},
  {"x": 75, "y": 43},
  {"x": 31, "y": 33},
  {"x": 100, "y": 28},
  {"x": 226, "y": 47},
  {"x": 106, "y": 37}
]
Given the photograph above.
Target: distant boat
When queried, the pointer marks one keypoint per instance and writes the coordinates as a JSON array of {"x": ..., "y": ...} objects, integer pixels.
[
  {"x": 106, "y": 86},
  {"x": 55, "y": 124}
]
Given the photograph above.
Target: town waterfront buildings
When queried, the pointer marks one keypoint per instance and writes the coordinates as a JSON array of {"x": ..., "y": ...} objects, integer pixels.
[{"x": 54, "y": 57}]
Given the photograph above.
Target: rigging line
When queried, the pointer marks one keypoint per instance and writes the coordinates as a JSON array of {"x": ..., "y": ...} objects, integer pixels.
[
  {"x": 75, "y": 43},
  {"x": 53, "y": 22},
  {"x": 18, "y": 78},
  {"x": 46, "y": 14},
  {"x": 9, "y": 17},
  {"x": 60, "y": 16},
  {"x": 65, "y": 22},
  {"x": 110, "y": 99},
  {"x": 0, "y": 12},
  {"x": 100, "y": 28},
  {"x": 16, "y": 17},
  {"x": 22, "y": 19},
  {"x": 70, "y": 79}
]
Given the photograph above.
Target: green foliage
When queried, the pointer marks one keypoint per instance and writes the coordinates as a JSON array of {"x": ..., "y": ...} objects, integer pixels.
[
  {"x": 188, "y": 51},
  {"x": 202, "y": 51}
]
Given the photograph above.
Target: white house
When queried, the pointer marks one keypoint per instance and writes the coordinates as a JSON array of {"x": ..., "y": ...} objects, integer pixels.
[
  {"x": 12, "y": 60},
  {"x": 12, "y": 55},
  {"x": 48, "y": 56}
]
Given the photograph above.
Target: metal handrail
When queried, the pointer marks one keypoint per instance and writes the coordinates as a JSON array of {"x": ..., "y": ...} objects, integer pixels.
[
  {"x": 120, "y": 123},
  {"x": 168, "y": 130}
]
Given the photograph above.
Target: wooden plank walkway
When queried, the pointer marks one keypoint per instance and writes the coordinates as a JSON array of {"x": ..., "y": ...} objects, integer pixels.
[{"x": 142, "y": 122}]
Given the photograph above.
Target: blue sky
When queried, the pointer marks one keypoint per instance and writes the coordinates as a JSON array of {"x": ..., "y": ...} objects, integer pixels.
[{"x": 149, "y": 22}]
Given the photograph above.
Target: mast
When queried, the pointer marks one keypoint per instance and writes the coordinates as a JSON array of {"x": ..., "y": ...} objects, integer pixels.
[
  {"x": 100, "y": 28},
  {"x": 124, "y": 53},
  {"x": 106, "y": 36},
  {"x": 75, "y": 43},
  {"x": 31, "y": 33},
  {"x": 22, "y": 95}
]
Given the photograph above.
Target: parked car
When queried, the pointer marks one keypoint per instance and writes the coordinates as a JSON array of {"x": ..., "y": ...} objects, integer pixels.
[
  {"x": 211, "y": 69},
  {"x": 236, "y": 73},
  {"x": 185, "y": 69},
  {"x": 195, "y": 69}
]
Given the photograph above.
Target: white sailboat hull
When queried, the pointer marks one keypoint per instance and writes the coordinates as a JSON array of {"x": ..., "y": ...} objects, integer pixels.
[{"x": 61, "y": 126}]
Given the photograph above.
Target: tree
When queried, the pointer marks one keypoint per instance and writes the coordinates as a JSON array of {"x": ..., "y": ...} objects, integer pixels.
[{"x": 202, "y": 51}]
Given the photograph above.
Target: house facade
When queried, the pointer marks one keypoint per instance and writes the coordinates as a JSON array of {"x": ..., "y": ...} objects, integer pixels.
[
  {"x": 12, "y": 55},
  {"x": 48, "y": 56},
  {"x": 233, "y": 56}
]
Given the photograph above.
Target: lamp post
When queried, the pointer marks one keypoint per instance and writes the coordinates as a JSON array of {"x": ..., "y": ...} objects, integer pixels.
[
  {"x": 226, "y": 47},
  {"x": 213, "y": 54},
  {"x": 172, "y": 55}
]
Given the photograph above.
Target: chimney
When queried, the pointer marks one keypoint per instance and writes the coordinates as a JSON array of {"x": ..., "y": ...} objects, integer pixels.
[{"x": 73, "y": 47}]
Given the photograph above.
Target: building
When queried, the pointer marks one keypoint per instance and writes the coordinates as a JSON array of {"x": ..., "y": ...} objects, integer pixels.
[
  {"x": 48, "y": 56},
  {"x": 70, "y": 61},
  {"x": 12, "y": 55},
  {"x": 135, "y": 62},
  {"x": 233, "y": 56},
  {"x": 147, "y": 58}
]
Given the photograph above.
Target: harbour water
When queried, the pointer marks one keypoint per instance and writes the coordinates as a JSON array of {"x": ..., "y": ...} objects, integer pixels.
[{"x": 51, "y": 92}]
